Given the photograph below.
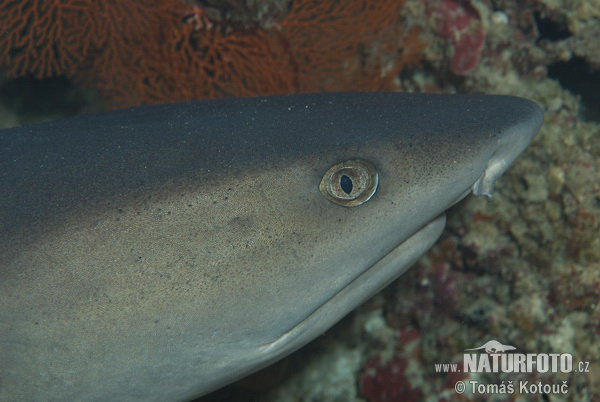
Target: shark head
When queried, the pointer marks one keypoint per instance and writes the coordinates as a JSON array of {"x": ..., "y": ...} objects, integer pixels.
[{"x": 162, "y": 252}]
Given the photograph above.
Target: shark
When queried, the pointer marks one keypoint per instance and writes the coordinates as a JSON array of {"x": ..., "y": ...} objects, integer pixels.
[{"x": 161, "y": 252}]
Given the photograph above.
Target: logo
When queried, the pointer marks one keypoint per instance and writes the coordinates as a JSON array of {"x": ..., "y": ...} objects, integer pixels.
[
  {"x": 494, "y": 346},
  {"x": 500, "y": 358},
  {"x": 496, "y": 360}
]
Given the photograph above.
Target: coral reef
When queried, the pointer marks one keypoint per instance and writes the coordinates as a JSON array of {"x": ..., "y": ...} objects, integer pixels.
[
  {"x": 244, "y": 13},
  {"x": 460, "y": 23}
]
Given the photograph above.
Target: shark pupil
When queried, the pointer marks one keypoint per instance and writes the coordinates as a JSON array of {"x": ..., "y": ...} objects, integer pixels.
[{"x": 346, "y": 184}]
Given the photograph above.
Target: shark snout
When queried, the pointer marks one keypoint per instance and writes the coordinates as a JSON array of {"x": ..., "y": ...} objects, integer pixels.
[{"x": 523, "y": 119}]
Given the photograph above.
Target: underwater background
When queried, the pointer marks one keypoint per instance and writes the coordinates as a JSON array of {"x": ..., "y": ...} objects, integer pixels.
[{"x": 523, "y": 269}]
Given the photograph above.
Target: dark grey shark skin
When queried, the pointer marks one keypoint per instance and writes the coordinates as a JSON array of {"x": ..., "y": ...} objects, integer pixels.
[{"x": 161, "y": 252}]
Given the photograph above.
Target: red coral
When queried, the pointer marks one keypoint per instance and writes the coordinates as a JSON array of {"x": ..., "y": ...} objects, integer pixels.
[
  {"x": 188, "y": 64},
  {"x": 316, "y": 47},
  {"x": 387, "y": 383},
  {"x": 326, "y": 39},
  {"x": 47, "y": 38},
  {"x": 146, "y": 51},
  {"x": 446, "y": 289},
  {"x": 460, "y": 23},
  {"x": 31, "y": 41}
]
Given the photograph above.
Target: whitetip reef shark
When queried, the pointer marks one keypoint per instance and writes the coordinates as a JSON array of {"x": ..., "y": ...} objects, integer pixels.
[{"x": 161, "y": 252}]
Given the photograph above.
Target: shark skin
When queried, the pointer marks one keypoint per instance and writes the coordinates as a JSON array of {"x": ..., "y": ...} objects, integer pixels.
[{"x": 161, "y": 252}]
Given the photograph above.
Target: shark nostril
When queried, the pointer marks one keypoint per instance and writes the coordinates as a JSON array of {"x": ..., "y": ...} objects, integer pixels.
[{"x": 350, "y": 183}]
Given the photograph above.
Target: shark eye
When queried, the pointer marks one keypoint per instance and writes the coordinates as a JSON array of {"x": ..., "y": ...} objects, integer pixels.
[{"x": 350, "y": 183}]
